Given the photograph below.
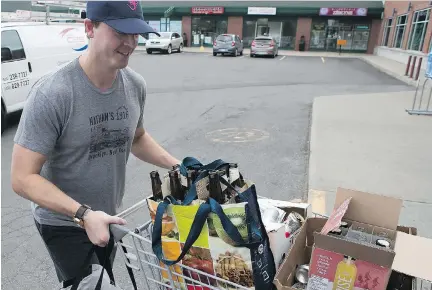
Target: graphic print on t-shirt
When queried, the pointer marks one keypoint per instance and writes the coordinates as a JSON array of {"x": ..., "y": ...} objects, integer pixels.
[{"x": 108, "y": 137}]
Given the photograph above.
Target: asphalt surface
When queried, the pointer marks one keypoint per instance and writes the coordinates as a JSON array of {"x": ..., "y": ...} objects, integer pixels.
[{"x": 252, "y": 111}]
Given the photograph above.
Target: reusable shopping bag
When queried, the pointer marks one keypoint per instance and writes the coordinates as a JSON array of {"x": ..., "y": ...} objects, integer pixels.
[{"x": 227, "y": 241}]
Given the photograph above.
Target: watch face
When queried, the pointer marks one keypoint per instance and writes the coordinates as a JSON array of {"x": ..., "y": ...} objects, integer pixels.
[{"x": 78, "y": 221}]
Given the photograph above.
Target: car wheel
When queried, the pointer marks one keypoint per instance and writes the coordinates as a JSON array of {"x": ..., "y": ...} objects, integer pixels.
[
  {"x": 180, "y": 48},
  {"x": 235, "y": 53},
  {"x": 241, "y": 52},
  {"x": 149, "y": 51},
  {"x": 3, "y": 120},
  {"x": 169, "y": 50},
  {"x": 214, "y": 54},
  {"x": 251, "y": 55}
]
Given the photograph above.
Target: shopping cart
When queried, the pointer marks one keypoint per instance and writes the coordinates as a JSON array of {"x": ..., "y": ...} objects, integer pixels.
[{"x": 135, "y": 247}]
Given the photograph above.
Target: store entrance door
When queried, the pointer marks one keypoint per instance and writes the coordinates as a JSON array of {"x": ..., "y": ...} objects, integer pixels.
[
  {"x": 332, "y": 35},
  {"x": 269, "y": 28}
]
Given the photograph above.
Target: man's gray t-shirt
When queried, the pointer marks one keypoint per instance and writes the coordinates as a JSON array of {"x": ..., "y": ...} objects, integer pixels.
[{"x": 86, "y": 135}]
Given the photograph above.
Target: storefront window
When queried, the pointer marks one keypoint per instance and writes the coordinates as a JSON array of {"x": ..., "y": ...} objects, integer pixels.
[
  {"x": 283, "y": 30},
  {"x": 400, "y": 31},
  {"x": 326, "y": 33},
  {"x": 387, "y": 28},
  {"x": 205, "y": 29},
  {"x": 418, "y": 29},
  {"x": 249, "y": 27},
  {"x": 289, "y": 29}
]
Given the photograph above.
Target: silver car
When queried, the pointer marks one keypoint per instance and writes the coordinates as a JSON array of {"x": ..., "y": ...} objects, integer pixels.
[
  {"x": 228, "y": 44},
  {"x": 264, "y": 46},
  {"x": 166, "y": 42}
]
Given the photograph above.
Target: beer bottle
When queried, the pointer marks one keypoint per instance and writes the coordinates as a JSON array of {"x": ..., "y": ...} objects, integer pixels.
[
  {"x": 190, "y": 178},
  {"x": 215, "y": 188},
  {"x": 156, "y": 184},
  {"x": 176, "y": 187}
]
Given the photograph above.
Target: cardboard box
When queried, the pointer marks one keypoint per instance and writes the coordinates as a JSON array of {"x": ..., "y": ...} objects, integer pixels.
[
  {"x": 301, "y": 251},
  {"x": 409, "y": 254},
  {"x": 344, "y": 264},
  {"x": 299, "y": 254}
]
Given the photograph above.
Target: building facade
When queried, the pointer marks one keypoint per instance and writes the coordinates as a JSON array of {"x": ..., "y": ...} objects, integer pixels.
[
  {"x": 405, "y": 30},
  {"x": 320, "y": 23}
]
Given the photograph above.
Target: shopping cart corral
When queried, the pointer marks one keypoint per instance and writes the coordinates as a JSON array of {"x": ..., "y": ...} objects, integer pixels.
[{"x": 135, "y": 249}]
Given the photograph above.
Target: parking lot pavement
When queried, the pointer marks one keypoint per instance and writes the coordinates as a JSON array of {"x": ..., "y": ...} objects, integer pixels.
[{"x": 253, "y": 111}]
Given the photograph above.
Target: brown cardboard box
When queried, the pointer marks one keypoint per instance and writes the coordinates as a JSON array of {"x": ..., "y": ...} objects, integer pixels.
[
  {"x": 344, "y": 264},
  {"x": 299, "y": 253},
  {"x": 409, "y": 254}
]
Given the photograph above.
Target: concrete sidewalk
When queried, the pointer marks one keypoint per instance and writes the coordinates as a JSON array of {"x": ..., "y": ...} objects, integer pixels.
[{"x": 369, "y": 143}]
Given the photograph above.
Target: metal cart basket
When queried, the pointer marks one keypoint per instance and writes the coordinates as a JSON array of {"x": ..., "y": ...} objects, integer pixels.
[{"x": 135, "y": 247}]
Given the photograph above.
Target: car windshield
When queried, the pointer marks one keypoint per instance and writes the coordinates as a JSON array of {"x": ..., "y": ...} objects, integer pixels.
[
  {"x": 163, "y": 35},
  {"x": 224, "y": 38}
]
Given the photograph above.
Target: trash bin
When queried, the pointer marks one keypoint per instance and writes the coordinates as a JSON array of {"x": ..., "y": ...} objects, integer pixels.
[{"x": 302, "y": 43}]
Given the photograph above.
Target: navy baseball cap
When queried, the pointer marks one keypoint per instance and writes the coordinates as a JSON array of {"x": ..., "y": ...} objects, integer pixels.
[{"x": 123, "y": 16}]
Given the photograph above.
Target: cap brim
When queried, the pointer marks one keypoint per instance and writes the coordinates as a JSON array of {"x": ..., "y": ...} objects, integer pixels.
[{"x": 131, "y": 26}]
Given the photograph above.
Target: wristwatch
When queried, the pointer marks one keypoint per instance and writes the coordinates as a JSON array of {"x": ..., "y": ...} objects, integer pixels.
[{"x": 79, "y": 215}]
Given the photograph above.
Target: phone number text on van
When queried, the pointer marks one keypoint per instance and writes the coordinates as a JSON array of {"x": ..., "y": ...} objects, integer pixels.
[
  {"x": 16, "y": 85},
  {"x": 16, "y": 80}
]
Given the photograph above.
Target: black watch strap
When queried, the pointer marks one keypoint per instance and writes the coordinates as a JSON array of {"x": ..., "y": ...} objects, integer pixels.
[{"x": 80, "y": 212}]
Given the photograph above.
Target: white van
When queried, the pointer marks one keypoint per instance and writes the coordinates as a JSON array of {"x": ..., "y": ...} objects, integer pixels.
[{"x": 30, "y": 50}]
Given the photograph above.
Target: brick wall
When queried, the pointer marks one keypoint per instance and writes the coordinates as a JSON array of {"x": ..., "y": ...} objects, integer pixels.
[
  {"x": 235, "y": 25},
  {"x": 304, "y": 25},
  {"x": 187, "y": 28},
  {"x": 374, "y": 35},
  {"x": 401, "y": 8}
]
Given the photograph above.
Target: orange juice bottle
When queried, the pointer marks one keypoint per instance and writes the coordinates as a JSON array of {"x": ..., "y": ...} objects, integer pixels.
[{"x": 346, "y": 273}]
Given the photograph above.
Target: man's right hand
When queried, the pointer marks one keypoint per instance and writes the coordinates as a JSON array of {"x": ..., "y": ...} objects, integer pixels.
[{"x": 96, "y": 224}]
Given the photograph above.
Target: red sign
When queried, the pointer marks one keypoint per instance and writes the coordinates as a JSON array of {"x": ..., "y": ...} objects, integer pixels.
[
  {"x": 343, "y": 11},
  {"x": 208, "y": 10}
]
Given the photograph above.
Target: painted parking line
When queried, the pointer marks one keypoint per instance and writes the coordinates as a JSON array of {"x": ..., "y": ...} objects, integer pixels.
[
  {"x": 322, "y": 59},
  {"x": 282, "y": 57}
]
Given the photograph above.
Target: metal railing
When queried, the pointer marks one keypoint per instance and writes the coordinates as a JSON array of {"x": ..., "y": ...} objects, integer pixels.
[{"x": 422, "y": 105}]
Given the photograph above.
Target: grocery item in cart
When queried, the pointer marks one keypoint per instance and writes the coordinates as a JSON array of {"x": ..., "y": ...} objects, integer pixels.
[
  {"x": 293, "y": 223},
  {"x": 210, "y": 219},
  {"x": 156, "y": 184}
]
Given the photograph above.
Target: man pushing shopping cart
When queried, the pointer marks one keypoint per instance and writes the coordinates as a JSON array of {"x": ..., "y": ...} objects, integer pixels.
[{"x": 76, "y": 132}]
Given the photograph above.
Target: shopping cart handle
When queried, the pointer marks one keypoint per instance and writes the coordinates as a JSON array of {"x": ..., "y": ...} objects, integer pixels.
[{"x": 118, "y": 231}]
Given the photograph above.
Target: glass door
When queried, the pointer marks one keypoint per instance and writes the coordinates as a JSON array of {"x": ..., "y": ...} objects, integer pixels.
[{"x": 332, "y": 35}]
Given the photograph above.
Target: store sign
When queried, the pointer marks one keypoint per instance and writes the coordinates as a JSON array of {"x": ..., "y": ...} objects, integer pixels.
[
  {"x": 208, "y": 10},
  {"x": 343, "y": 12},
  {"x": 262, "y": 10}
]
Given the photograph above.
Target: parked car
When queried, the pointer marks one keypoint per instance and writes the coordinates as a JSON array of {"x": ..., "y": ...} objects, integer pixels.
[
  {"x": 228, "y": 44},
  {"x": 166, "y": 42},
  {"x": 264, "y": 46}
]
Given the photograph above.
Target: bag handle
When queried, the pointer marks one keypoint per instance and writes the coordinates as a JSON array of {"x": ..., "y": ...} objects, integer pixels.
[
  {"x": 193, "y": 163},
  {"x": 106, "y": 264}
]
